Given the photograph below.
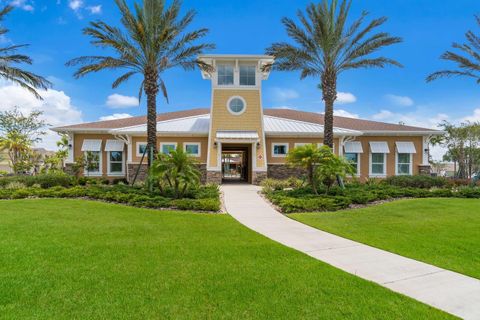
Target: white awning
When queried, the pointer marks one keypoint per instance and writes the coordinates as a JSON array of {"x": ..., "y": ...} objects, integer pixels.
[
  {"x": 91, "y": 145},
  {"x": 114, "y": 145},
  {"x": 379, "y": 147},
  {"x": 406, "y": 147},
  {"x": 353, "y": 147},
  {"x": 238, "y": 135}
]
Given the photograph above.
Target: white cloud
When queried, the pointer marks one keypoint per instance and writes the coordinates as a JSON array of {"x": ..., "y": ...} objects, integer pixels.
[
  {"x": 118, "y": 101},
  {"x": 401, "y": 101},
  {"x": 345, "y": 113},
  {"x": 23, "y": 4},
  {"x": 95, "y": 9},
  {"x": 418, "y": 118},
  {"x": 75, "y": 5},
  {"x": 475, "y": 117},
  {"x": 116, "y": 116},
  {"x": 345, "y": 98},
  {"x": 56, "y": 106},
  {"x": 283, "y": 94}
]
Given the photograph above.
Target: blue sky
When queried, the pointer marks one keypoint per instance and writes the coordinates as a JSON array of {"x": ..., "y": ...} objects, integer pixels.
[{"x": 428, "y": 27}]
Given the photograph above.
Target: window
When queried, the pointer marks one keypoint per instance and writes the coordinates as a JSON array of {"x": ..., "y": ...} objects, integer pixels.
[
  {"x": 354, "y": 159},
  {"x": 279, "y": 149},
  {"x": 236, "y": 105},
  {"x": 377, "y": 164},
  {"x": 93, "y": 162},
  {"x": 141, "y": 148},
  {"x": 192, "y": 148},
  {"x": 247, "y": 75},
  {"x": 404, "y": 163},
  {"x": 225, "y": 75},
  {"x": 115, "y": 163},
  {"x": 167, "y": 147}
]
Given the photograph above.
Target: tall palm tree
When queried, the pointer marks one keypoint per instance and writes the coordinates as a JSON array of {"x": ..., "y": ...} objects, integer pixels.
[
  {"x": 152, "y": 40},
  {"x": 468, "y": 60},
  {"x": 9, "y": 57},
  {"x": 325, "y": 47}
]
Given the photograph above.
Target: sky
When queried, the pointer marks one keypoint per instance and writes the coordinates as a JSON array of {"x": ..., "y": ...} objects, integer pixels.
[{"x": 53, "y": 29}]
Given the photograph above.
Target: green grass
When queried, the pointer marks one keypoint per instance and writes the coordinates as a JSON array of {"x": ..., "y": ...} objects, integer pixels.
[
  {"x": 442, "y": 232},
  {"x": 75, "y": 259}
]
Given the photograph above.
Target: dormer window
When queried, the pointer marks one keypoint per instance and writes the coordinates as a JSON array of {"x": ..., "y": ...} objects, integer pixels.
[
  {"x": 247, "y": 75},
  {"x": 225, "y": 74}
]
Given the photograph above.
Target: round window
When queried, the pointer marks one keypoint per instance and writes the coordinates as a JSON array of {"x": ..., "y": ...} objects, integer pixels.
[{"x": 236, "y": 105}]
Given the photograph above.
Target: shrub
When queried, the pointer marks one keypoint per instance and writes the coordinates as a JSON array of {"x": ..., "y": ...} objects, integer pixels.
[
  {"x": 15, "y": 185},
  {"x": 418, "y": 181},
  {"x": 197, "y": 204},
  {"x": 44, "y": 180}
]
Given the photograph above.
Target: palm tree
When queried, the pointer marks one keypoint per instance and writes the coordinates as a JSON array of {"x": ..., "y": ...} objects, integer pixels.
[
  {"x": 9, "y": 57},
  {"x": 151, "y": 41},
  {"x": 325, "y": 47},
  {"x": 177, "y": 169},
  {"x": 307, "y": 157},
  {"x": 468, "y": 60}
]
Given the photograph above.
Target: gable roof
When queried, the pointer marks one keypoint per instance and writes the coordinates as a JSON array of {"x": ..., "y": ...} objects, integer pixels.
[{"x": 303, "y": 116}]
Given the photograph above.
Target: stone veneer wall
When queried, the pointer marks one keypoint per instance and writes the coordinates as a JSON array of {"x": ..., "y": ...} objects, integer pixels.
[
  {"x": 283, "y": 171},
  {"x": 258, "y": 177},
  {"x": 142, "y": 175},
  {"x": 214, "y": 177}
]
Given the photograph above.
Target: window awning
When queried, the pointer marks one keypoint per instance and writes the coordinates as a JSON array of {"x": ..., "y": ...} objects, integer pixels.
[
  {"x": 353, "y": 147},
  {"x": 91, "y": 145},
  {"x": 379, "y": 147},
  {"x": 237, "y": 135},
  {"x": 406, "y": 147},
  {"x": 114, "y": 145}
]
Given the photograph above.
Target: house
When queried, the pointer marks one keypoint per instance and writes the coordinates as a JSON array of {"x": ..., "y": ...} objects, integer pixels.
[{"x": 238, "y": 138}]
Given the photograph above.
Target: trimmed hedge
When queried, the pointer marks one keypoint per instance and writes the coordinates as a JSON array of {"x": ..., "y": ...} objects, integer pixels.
[
  {"x": 122, "y": 194},
  {"x": 43, "y": 180}
]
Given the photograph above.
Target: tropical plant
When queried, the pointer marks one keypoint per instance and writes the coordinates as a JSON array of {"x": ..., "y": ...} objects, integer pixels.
[
  {"x": 331, "y": 167},
  {"x": 467, "y": 60},
  {"x": 9, "y": 58},
  {"x": 18, "y": 148},
  {"x": 177, "y": 170},
  {"x": 152, "y": 40},
  {"x": 308, "y": 157},
  {"x": 325, "y": 47}
]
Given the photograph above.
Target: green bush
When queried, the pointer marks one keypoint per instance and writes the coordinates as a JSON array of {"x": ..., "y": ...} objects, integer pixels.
[
  {"x": 291, "y": 205},
  {"x": 197, "y": 204},
  {"x": 419, "y": 181},
  {"x": 43, "y": 180}
]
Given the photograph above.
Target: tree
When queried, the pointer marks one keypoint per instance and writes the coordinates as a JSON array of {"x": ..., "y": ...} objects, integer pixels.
[
  {"x": 467, "y": 60},
  {"x": 151, "y": 41},
  {"x": 18, "y": 132},
  {"x": 331, "y": 167},
  {"x": 9, "y": 58},
  {"x": 307, "y": 157},
  {"x": 325, "y": 47},
  {"x": 177, "y": 169}
]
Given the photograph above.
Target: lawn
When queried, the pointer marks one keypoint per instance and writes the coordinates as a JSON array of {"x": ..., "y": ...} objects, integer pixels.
[
  {"x": 442, "y": 232},
  {"x": 76, "y": 259}
]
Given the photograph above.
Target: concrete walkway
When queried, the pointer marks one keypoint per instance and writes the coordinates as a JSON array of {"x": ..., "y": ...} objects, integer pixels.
[{"x": 446, "y": 290}]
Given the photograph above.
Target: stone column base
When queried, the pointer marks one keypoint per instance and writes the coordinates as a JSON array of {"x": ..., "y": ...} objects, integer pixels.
[
  {"x": 214, "y": 177},
  {"x": 283, "y": 171},
  {"x": 258, "y": 177},
  {"x": 132, "y": 171}
]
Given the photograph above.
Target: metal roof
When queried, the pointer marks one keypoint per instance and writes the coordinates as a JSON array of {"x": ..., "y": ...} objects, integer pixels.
[
  {"x": 190, "y": 125},
  {"x": 282, "y": 126}
]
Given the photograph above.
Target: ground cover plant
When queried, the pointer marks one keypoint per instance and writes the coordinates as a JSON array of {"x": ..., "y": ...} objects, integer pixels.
[
  {"x": 196, "y": 197},
  {"x": 77, "y": 259},
  {"x": 442, "y": 232},
  {"x": 291, "y": 197}
]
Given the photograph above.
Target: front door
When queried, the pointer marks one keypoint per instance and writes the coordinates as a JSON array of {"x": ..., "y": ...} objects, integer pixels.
[{"x": 235, "y": 163}]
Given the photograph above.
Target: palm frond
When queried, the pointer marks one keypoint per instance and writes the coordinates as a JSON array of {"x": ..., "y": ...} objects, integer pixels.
[
  {"x": 123, "y": 78},
  {"x": 449, "y": 74}
]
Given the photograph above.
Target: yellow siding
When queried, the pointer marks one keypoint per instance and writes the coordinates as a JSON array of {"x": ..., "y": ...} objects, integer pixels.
[{"x": 222, "y": 119}]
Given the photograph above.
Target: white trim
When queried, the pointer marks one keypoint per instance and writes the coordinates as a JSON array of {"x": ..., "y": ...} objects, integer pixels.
[
  {"x": 115, "y": 174},
  {"x": 71, "y": 148},
  {"x": 263, "y": 142},
  {"x": 410, "y": 171},
  {"x": 168, "y": 144},
  {"x": 286, "y": 144},
  {"x": 233, "y": 112},
  {"x": 137, "y": 145},
  {"x": 98, "y": 173},
  {"x": 378, "y": 175},
  {"x": 196, "y": 155},
  {"x": 129, "y": 149}
]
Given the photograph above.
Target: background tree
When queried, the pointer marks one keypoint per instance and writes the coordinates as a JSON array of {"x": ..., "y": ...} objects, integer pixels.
[
  {"x": 18, "y": 133},
  {"x": 9, "y": 58},
  {"x": 467, "y": 60},
  {"x": 325, "y": 47},
  {"x": 152, "y": 40}
]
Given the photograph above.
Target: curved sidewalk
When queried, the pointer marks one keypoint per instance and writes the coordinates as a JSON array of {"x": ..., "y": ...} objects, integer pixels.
[{"x": 446, "y": 290}]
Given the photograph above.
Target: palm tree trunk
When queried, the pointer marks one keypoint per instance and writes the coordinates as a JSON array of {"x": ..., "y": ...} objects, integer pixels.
[
  {"x": 329, "y": 91},
  {"x": 151, "y": 90}
]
